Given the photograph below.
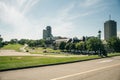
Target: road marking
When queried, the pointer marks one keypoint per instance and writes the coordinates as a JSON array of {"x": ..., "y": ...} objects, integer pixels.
[
  {"x": 71, "y": 75},
  {"x": 105, "y": 61}
]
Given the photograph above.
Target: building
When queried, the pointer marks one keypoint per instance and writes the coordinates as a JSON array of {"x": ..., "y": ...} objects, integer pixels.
[
  {"x": 47, "y": 33},
  {"x": 110, "y": 29}
]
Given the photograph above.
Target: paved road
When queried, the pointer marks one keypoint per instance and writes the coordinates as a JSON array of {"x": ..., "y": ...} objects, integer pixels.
[{"x": 101, "y": 69}]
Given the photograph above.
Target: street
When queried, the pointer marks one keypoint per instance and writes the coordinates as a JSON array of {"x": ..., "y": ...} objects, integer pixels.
[{"x": 100, "y": 69}]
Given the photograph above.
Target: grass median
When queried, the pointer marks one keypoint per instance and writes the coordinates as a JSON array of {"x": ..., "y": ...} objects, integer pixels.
[{"x": 12, "y": 62}]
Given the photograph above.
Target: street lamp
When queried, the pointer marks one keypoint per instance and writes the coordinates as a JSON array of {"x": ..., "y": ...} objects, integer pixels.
[{"x": 99, "y": 34}]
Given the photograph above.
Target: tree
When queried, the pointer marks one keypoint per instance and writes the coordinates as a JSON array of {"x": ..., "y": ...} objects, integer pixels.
[
  {"x": 70, "y": 40},
  {"x": 80, "y": 46},
  {"x": 114, "y": 43},
  {"x": 13, "y": 41},
  {"x": 62, "y": 46},
  {"x": 73, "y": 47},
  {"x": 1, "y": 43},
  {"x": 94, "y": 44},
  {"x": 23, "y": 41},
  {"x": 75, "y": 40},
  {"x": 68, "y": 46},
  {"x": 42, "y": 42},
  {"x": 31, "y": 43}
]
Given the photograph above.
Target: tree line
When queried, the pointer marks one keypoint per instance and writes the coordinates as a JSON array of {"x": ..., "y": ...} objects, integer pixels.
[
  {"x": 29, "y": 42},
  {"x": 90, "y": 46}
]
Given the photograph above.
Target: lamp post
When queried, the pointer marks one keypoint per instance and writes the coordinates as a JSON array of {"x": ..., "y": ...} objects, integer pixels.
[
  {"x": 99, "y": 37},
  {"x": 99, "y": 34}
]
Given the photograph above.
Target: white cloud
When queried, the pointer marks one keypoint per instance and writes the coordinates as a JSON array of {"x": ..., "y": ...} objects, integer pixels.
[
  {"x": 29, "y": 4},
  {"x": 12, "y": 15},
  {"x": 89, "y": 3},
  {"x": 60, "y": 22},
  {"x": 82, "y": 14}
]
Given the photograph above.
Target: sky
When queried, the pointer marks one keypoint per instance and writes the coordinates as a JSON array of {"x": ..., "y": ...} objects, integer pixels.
[{"x": 26, "y": 19}]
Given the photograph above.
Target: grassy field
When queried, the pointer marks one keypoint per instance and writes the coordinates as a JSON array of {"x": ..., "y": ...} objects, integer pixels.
[
  {"x": 15, "y": 47},
  {"x": 9, "y": 62}
]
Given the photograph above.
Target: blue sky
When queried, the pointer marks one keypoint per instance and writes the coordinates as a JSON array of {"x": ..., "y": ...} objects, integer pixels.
[{"x": 68, "y": 18}]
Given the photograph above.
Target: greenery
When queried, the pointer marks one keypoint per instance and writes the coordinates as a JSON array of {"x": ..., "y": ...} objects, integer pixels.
[
  {"x": 62, "y": 46},
  {"x": 31, "y": 43},
  {"x": 80, "y": 46},
  {"x": 1, "y": 43},
  {"x": 94, "y": 44},
  {"x": 90, "y": 45},
  {"x": 113, "y": 54},
  {"x": 114, "y": 43},
  {"x": 9, "y": 62},
  {"x": 15, "y": 47},
  {"x": 77, "y": 46},
  {"x": 13, "y": 41}
]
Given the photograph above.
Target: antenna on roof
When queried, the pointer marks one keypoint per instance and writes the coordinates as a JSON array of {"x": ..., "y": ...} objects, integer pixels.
[{"x": 109, "y": 17}]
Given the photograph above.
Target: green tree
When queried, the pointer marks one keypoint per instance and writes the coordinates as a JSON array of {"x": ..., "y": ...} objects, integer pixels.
[
  {"x": 62, "y": 46},
  {"x": 73, "y": 47},
  {"x": 80, "y": 46},
  {"x": 31, "y": 43},
  {"x": 68, "y": 46},
  {"x": 13, "y": 41},
  {"x": 94, "y": 44},
  {"x": 23, "y": 41},
  {"x": 114, "y": 43},
  {"x": 42, "y": 42},
  {"x": 1, "y": 42}
]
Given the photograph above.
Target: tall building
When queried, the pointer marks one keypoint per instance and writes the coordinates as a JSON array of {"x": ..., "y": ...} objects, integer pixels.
[
  {"x": 110, "y": 29},
  {"x": 47, "y": 33}
]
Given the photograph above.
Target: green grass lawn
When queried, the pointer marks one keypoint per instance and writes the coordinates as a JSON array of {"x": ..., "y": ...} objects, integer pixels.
[
  {"x": 15, "y": 47},
  {"x": 113, "y": 54},
  {"x": 9, "y": 62}
]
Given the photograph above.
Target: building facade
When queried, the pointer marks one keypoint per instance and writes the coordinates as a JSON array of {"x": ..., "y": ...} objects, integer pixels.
[
  {"x": 110, "y": 29},
  {"x": 47, "y": 33}
]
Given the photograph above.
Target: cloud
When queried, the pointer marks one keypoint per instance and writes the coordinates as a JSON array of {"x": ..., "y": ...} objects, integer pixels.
[
  {"x": 28, "y": 5},
  {"x": 12, "y": 15},
  {"x": 60, "y": 22},
  {"x": 89, "y": 3}
]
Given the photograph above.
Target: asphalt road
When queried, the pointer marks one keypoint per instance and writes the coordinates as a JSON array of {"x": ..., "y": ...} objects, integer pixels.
[{"x": 100, "y": 69}]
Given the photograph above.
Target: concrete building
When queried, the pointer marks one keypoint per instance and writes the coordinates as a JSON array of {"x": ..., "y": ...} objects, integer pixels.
[
  {"x": 47, "y": 33},
  {"x": 110, "y": 29}
]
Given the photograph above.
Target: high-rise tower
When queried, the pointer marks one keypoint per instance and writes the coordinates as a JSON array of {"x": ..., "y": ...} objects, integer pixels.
[
  {"x": 48, "y": 28},
  {"x": 110, "y": 29},
  {"x": 47, "y": 33}
]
